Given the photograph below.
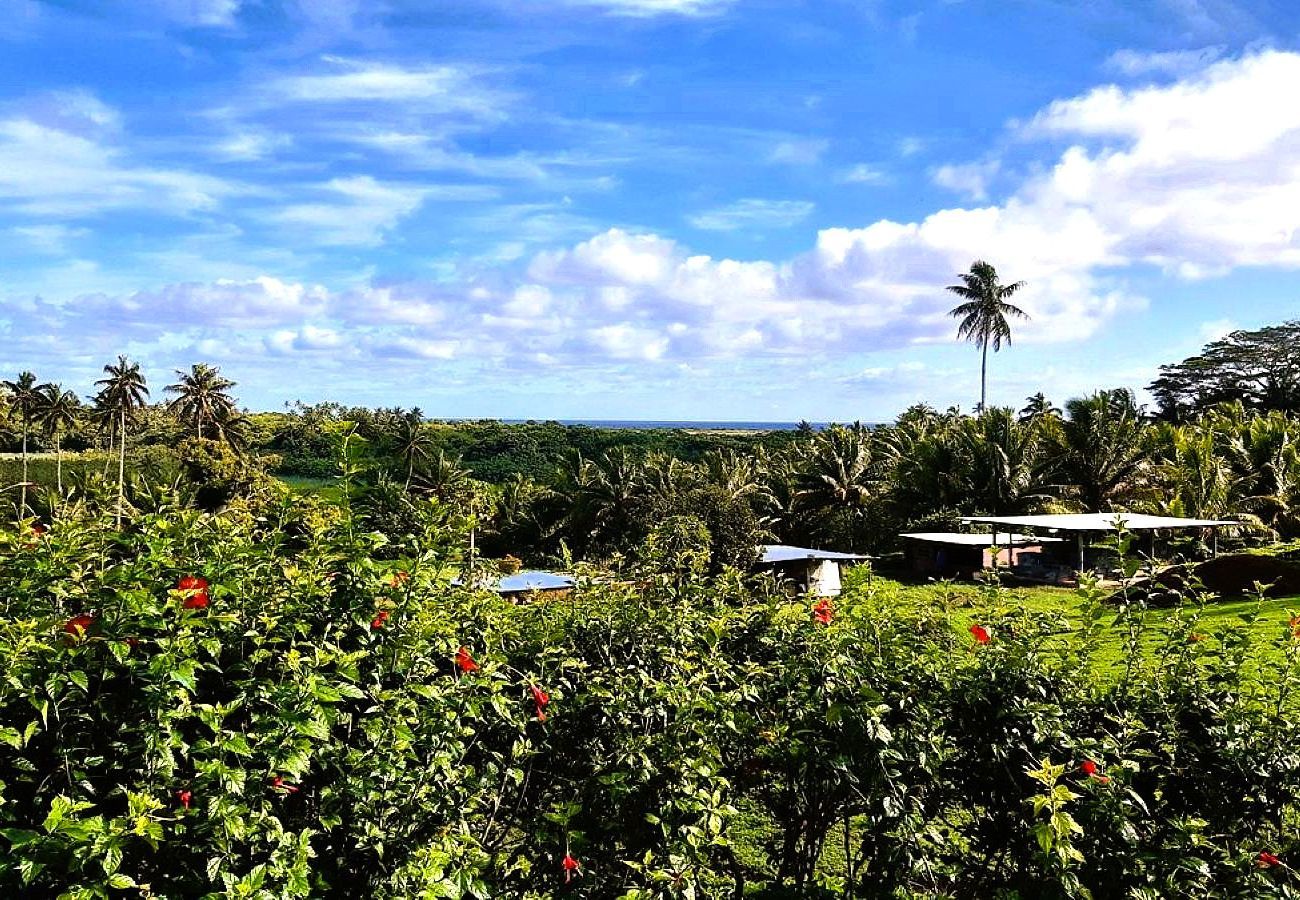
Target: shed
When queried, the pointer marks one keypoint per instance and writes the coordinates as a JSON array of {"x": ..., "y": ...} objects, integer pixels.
[
  {"x": 947, "y": 554},
  {"x": 527, "y": 583},
  {"x": 1085, "y": 526},
  {"x": 816, "y": 572}
]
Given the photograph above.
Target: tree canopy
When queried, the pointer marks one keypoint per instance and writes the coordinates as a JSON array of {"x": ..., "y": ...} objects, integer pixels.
[{"x": 1260, "y": 369}]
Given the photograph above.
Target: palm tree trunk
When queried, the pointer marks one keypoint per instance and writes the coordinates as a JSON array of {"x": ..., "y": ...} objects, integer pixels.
[
  {"x": 58, "y": 462},
  {"x": 121, "y": 466},
  {"x": 984, "y": 367},
  {"x": 410, "y": 472},
  {"x": 22, "y": 503}
]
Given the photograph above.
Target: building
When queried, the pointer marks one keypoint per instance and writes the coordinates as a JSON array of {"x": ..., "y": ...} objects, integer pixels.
[
  {"x": 815, "y": 572},
  {"x": 527, "y": 584},
  {"x": 952, "y": 554}
]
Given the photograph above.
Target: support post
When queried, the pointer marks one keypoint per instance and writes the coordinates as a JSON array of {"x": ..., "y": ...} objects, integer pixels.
[{"x": 1080, "y": 536}]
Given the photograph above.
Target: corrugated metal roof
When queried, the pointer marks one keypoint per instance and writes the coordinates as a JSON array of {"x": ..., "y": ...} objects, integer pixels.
[
  {"x": 977, "y": 540},
  {"x": 779, "y": 553},
  {"x": 1107, "y": 521},
  {"x": 533, "y": 581}
]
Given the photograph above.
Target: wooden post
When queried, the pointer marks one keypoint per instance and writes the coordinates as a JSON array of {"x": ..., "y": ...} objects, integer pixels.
[{"x": 1080, "y": 536}]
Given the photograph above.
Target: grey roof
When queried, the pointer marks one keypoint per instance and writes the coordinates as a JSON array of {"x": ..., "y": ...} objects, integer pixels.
[
  {"x": 779, "y": 553},
  {"x": 977, "y": 540},
  {"x": 533, "y": 581},
  {"x": 520, "y": 582},
  {"x": 1107, "y": 521}
]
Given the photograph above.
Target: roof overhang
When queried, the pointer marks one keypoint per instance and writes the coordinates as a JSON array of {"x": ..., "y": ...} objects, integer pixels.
[{"x": 1108, "y": 521}]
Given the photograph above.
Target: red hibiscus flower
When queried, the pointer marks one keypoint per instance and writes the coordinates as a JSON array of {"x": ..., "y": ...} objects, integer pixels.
[
  {"x": 464, "y": 661},
  {"x": 195, "y": 590},
  {"x": 822, "y": 612},
  {"x": 399, "y": 578},
  {"x": 1267, "y": 860},
  {"x": 1090, "y": 768},
  {"x": 77, "y": 626},
  {"x": 570, "y": 865},
  {"x": 980, "y": 633},
  {"x": 184, "y": 798},
  {"x": 277, "y": 783},
  {"x": 540, "y": 699},
  {"x": 379, "y": 620}
]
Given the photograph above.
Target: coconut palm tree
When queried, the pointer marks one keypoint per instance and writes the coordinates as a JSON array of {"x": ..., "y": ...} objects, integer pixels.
[
  {"x": 414, "y": 443},
  {"x": 202, "y": 397},
  {"x": 984, "y": 314},
  {"x": 122, "y": 393},
  {"x": 58, "y": 414},
  {"x": 835, "y": 478},
  {"x": 1105, "y": 448},
  {"x": 1038, "y": 407},
  {"x": 24, "y": 399}
]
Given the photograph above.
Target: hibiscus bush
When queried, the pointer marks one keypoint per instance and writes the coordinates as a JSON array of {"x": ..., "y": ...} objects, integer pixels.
[{"x": 274, "y": 701}]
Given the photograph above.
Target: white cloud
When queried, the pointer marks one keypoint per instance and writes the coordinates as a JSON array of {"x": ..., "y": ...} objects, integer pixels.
[
  {"x": 799, "y": 151},
  {"x": 436, "y": 88},
  {"x": 1199, "y": 177},
  {"x": 864, "y": 173},
  {"x": 360, "y": 210},
  {"x": 753, "y": 213},
  {"x": 649, "y": 8},
  {"x": 1177, "y": 63},
  {"x": 970, "y": 180},
  {"x": 197, "y": 13},
  {"x": 51, "y": 171}
]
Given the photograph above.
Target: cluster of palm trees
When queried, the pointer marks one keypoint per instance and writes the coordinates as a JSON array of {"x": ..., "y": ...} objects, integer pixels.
[
  {"x": 857, "y": 487},
  {"x": 201, "y": 400}
]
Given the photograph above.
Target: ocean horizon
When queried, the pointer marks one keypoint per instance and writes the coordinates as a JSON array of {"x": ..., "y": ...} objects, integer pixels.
[{"x": 650, "y": 424}]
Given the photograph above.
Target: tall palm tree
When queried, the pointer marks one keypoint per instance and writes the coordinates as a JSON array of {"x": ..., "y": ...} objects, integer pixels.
[
  {"x": 984, "y": 314},
  {"x": 122, "y": 393},
  {"x": 202, "y": 397},
  {"x": 59, "y": 413},
  {"x": 24, "y": 399},
  {"x": 414, "y": 443}
]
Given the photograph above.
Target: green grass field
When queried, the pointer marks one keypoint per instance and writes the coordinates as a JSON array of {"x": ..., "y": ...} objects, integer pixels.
[{"x": 1209, "y": 623}]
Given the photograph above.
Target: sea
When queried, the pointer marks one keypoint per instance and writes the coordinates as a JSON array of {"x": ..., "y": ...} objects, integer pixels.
[{"x": 670, "y": 424}]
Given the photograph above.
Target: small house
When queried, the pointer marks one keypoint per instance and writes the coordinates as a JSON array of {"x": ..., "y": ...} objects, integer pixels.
[{"x": 815, "y": 572}]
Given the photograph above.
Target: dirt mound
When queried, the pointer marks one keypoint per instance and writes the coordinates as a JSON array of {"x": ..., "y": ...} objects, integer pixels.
[{"x": 1225, "y": 576}]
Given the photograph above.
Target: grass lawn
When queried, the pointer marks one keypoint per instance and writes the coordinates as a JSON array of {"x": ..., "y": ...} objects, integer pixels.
[
  {"x": 302, "y": 484},
  {"x": 965, "y": 604}
]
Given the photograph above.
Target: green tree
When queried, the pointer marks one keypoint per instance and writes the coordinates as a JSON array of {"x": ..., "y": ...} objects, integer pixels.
[
  {"x": 59, "y": 413},
  {"x": 984, "y": 313},
  {"x": 1038, "y": 407},
  {"x": 122, "y": 394},
  {"x": 24, "y": 399},
  {"x": 1105, "y": 448},
  {"x": 202, "y": 397},
  {"x": 414, "y": 444}
]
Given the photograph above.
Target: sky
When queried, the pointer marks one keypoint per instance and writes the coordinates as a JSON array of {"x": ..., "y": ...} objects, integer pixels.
[{"x": 641, "y": 209}]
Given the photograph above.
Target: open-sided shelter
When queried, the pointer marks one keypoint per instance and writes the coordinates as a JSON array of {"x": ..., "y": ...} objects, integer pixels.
[
  {"x": 1085, "y": 527},
  {"x": 813, "y": 571}
]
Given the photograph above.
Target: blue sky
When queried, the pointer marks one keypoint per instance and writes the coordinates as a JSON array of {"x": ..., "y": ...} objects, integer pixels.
[{"x": 686, "y": 209}]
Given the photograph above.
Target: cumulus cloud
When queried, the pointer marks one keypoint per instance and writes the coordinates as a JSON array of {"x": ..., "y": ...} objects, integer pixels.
[{"x": 1197, "y": 177}]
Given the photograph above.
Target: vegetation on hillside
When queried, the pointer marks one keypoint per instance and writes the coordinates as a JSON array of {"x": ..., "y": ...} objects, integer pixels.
[{"x": 275, "y": 701}]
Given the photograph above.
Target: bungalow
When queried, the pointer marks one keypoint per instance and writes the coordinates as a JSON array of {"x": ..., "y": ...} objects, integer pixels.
[{"x": 815, "y": 572}]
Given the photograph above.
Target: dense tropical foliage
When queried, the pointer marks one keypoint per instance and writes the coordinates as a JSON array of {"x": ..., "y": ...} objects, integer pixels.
[{"x": 214, "y": 685}]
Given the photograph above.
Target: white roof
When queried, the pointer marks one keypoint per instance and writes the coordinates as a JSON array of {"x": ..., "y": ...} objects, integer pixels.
[
  {"x": 977, "y": 540},
  {"x": 778, "y": 553},
  {"x": 1107, "y": 521}
]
